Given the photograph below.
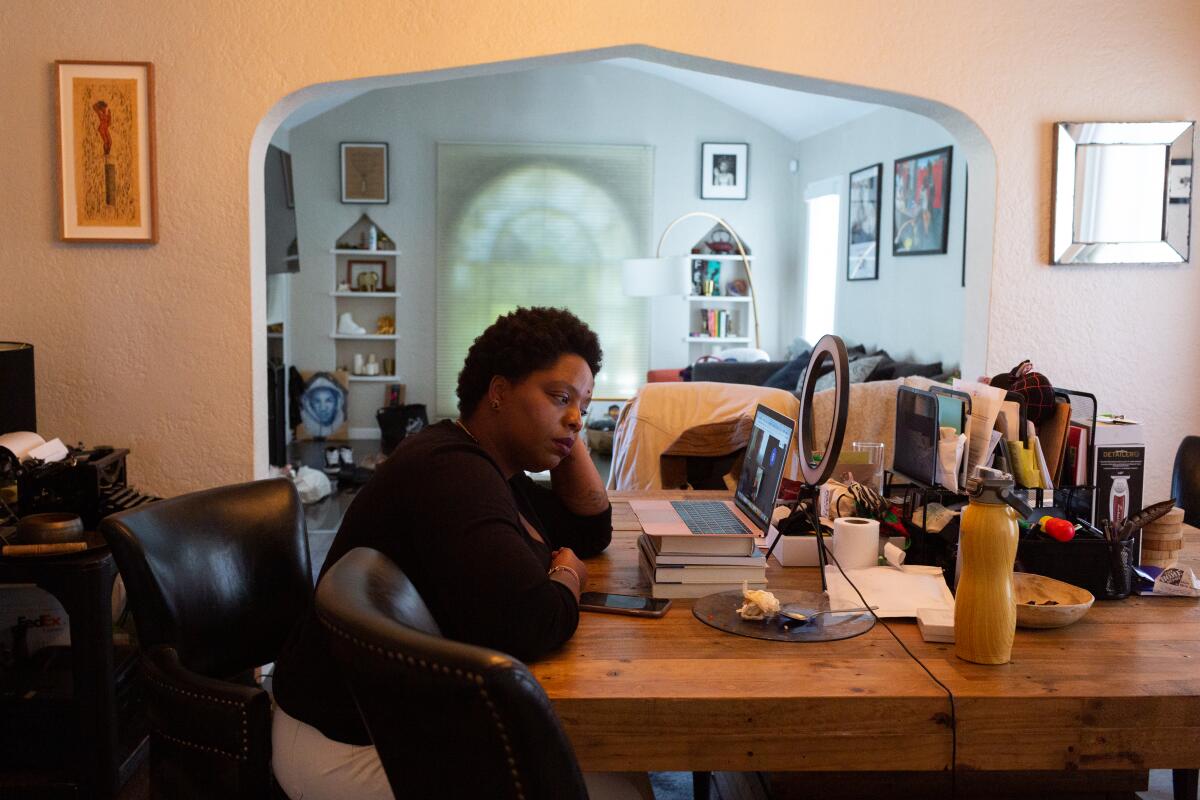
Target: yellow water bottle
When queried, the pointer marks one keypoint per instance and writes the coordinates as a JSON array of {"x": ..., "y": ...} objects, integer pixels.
[{"x": 985, "y": 612}]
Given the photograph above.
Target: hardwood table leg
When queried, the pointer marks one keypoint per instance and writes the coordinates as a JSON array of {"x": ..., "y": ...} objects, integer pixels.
[{"x": 1184, "y": 783}]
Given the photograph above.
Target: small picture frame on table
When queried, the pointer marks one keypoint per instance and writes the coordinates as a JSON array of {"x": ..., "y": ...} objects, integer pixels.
[
  {"x": 359, "y": 272},
  {"x": 106, "y": 164},
  {"x": 364, "y": 172},
  {"x": 724, "y": 171},
  {"x": 862, "y": 252}
]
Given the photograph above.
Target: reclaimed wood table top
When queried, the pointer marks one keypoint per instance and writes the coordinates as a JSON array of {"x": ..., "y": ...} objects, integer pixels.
[{"x": 1118, "y": 690}]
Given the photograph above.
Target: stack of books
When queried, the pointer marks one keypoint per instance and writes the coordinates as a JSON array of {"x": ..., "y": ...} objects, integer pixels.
[{"x": 694, "y": 566}]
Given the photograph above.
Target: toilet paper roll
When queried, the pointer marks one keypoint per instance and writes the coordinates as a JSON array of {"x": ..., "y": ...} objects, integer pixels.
[{"x": 856, "y": 542}]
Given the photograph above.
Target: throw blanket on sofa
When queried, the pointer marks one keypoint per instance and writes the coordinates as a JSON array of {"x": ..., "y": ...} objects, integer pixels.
[
  {"x": 667, "y": 422},
  {"x": 872, "y": 413}
]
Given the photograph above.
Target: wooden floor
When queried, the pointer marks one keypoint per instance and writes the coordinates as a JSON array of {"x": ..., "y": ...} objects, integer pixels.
[{"x": 749, "y": 786}]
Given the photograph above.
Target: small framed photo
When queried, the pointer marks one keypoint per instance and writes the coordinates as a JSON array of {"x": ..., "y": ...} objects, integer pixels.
[
  {"x": 364, "y": 172},
  {"x": 368, "y": 276},
  {"x": 921, "y": 203},
  {"x": 724, "y": 171},
  {"x": 106, "y": 162},
  {"x": 862, "y": 252}
]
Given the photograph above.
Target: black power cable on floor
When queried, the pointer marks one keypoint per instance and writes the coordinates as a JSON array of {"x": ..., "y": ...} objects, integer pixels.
[{"x": 919, "y": 663}]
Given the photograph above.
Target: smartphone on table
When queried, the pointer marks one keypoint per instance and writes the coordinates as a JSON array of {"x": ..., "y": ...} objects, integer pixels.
[{"x": 632, "y": 604}]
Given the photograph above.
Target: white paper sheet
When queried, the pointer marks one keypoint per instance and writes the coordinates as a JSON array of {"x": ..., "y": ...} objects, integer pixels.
[
  {"x": 897, "y": 592},
  {"x": 985, "y": 404}
]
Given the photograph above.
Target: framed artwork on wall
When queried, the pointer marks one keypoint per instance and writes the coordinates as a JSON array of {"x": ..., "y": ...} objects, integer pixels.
[
  {"x": 368, "y": 276},
  {"x": 724, "y": 171},
  {"x": 106, "y": 162},
  {"x": 862, "y": 250},
  {"x": 921, "y": 203},
  {"x": 364, "y": 172}
]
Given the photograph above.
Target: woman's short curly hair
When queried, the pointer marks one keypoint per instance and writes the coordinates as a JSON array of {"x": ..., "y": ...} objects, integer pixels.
[{"x": 522, "y": 342}]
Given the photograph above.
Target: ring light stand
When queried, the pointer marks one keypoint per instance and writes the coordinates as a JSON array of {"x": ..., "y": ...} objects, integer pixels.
[{"x": 816, "y": 471}]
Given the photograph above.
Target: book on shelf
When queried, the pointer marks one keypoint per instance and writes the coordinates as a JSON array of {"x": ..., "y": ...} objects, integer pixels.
[
  {"x": 714, "y": 322},
  {"x": 706, "y": 276},
  {"x": 649, "y": 544},
  {"x": 699, "y": 573},
  {"x": 704, "y": 544},
  {"x": 1075, "y": 462}
]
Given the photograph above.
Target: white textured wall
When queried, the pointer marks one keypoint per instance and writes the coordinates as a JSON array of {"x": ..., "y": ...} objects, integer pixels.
[
  {"x": 155, "y": 347},
  {"x": 914, "y": 310},
  {"x": 574, "y": 104}
]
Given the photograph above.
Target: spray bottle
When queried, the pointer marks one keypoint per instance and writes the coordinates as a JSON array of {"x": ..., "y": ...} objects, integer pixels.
[{"x": 985, "y": 611}]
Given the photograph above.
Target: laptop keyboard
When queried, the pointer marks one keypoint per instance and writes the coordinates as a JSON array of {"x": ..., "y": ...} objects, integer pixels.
[{"x": 703, "y": 516}]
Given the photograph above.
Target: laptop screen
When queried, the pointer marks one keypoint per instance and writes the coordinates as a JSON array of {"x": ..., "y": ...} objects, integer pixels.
[{"x": 762, "y": 471}]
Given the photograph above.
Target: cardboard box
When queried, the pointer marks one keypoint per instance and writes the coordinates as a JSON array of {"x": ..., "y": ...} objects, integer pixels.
[
  {"x": 43, "y": 618},
  {"x": 1118, "y": 467}
]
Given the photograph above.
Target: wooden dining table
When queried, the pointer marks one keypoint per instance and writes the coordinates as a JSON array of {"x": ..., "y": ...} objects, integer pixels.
[{"x": 1118, "y": 690}]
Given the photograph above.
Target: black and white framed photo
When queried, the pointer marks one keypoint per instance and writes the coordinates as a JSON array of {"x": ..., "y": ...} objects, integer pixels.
[
  {"x": 862, "y": 252},
  {"x": 724, "y": 171},
  {"x": 364, "y": 172}
]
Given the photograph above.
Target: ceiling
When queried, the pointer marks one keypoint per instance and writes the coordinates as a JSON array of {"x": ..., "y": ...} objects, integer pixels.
[{"x": 796, "y": 115}]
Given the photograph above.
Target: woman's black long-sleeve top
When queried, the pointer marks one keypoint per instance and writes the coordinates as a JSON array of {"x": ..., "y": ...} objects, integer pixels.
[{"x": 440, "y": 508}]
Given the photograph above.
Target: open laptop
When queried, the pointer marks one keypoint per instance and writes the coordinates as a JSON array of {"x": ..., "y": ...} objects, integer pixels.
[{"x": 754, "y": 500}]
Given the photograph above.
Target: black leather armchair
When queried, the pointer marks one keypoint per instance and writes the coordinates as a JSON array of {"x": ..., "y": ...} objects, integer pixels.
[
  {"x": 448, "y": 719},
  {"x": 1185, "y": 479},
  {"x": 215, "y": 580}
]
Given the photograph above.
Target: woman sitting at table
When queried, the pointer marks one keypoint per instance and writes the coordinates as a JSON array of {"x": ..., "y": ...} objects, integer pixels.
[{"x": 494, "y": 556}]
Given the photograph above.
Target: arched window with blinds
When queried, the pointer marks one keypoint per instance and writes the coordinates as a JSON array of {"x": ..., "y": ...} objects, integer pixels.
[{"x": 541, "y": 225}]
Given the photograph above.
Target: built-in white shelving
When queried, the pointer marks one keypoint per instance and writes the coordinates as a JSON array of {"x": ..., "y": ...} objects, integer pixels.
[{"x": 365, "y": 307}]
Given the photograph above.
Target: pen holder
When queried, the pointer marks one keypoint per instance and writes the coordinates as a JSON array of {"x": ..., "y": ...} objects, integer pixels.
[{"x": 1120, "y": 570}]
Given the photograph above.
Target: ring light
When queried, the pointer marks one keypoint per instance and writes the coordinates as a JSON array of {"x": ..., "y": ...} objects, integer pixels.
[{"x": 815, "y": 471}]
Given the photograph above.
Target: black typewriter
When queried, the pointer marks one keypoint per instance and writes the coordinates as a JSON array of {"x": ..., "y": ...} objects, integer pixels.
[{"x": 89, "y": 482}]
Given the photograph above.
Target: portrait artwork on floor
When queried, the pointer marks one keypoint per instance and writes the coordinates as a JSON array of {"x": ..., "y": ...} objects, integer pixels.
[
  {"x": 921, "y": 218},
  {"x": 323, "y": 405},
  {"x": 862, "y": 254},
  {"x": 724, "y": 171},
  {"x": 106, "y": 151}
]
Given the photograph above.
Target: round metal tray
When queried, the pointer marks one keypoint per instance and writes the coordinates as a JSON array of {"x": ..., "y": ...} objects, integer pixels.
[{"x": 720, "y": 611}]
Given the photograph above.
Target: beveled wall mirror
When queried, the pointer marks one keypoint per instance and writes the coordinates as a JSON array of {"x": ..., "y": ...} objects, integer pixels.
[{"x": 1122, "y": 192}]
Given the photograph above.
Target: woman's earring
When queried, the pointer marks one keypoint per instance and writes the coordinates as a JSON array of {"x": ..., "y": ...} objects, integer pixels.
[{"x": 495, "y": 405}]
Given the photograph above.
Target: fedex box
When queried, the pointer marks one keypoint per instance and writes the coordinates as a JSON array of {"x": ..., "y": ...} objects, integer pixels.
[{"x": 36, "y": 612}]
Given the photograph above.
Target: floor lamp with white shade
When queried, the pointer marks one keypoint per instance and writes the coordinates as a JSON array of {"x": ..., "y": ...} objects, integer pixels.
[{"x": 659, "y": 276}]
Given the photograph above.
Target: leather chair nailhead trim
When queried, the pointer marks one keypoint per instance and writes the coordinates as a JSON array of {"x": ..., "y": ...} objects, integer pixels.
[
  {"x": 211, "y": 699},
  {"x": 474, "y": 677},
  {"x": 203, "y": 747}
]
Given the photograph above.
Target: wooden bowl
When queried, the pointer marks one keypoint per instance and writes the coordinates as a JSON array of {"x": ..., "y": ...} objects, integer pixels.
[
  {"x": 50, "y": 527},
  {"x": 1072, "y": 602}
]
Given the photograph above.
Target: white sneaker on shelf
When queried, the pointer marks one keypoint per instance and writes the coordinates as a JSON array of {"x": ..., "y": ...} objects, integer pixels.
[{"x": 346, "y": 324}]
